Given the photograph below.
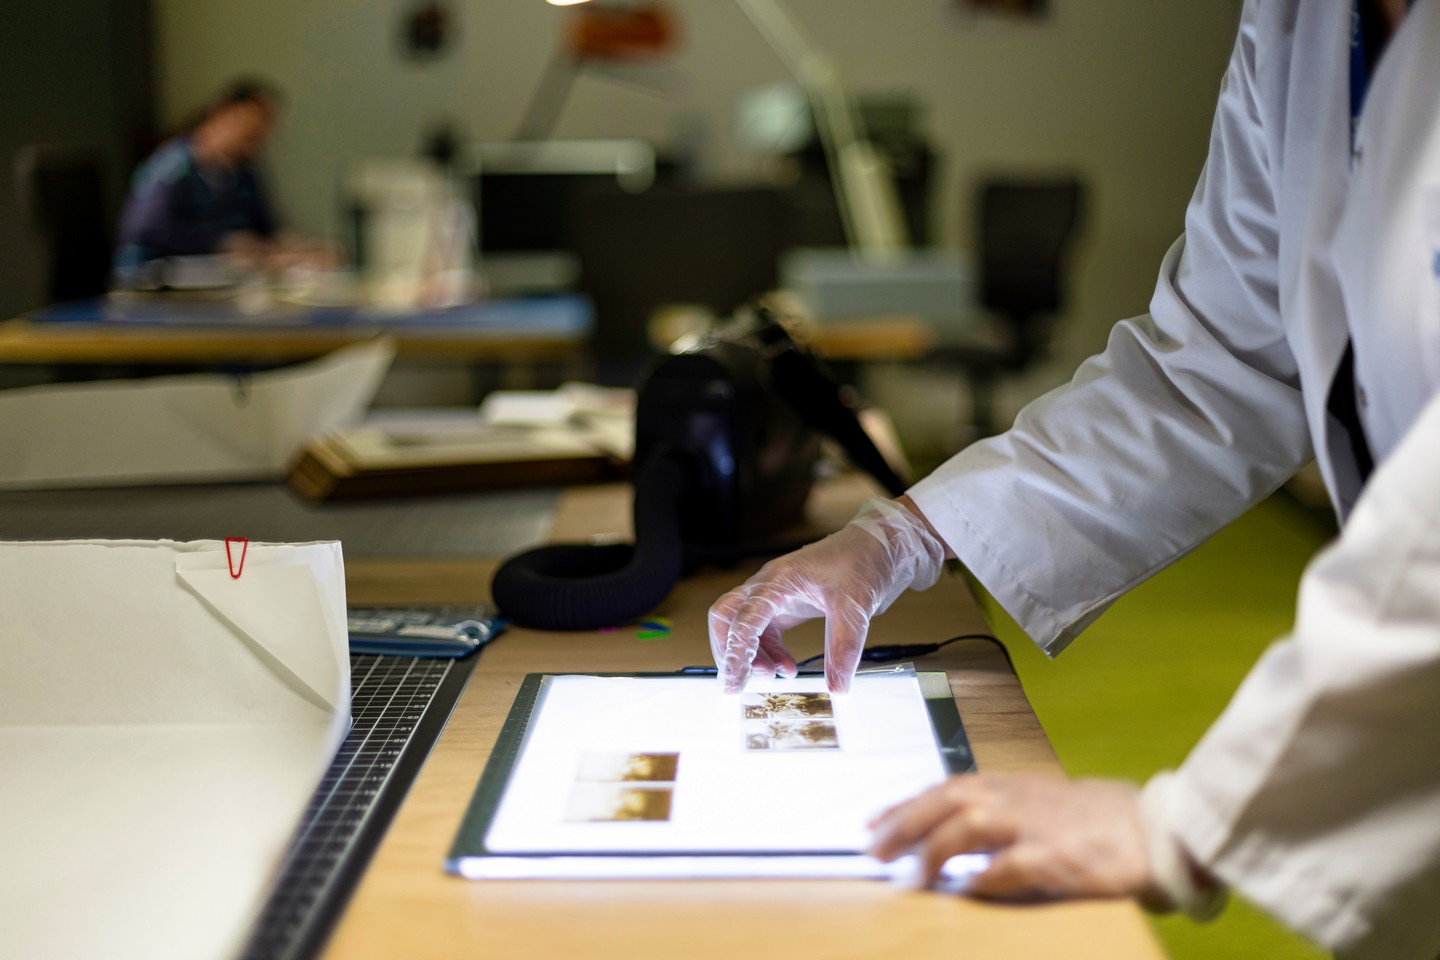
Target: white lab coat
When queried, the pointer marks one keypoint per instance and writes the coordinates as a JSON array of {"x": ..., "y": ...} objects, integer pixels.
[{"x": 1317, "y": 792}]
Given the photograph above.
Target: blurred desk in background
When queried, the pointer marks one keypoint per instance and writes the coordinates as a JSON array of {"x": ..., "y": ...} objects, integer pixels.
[
  {"x": 458, "y": 526},
  {"x": 922, "y": 305},
  {"x": 194, "y": 331},
  {"x": 549, "y": 329},
  {"x": 874, "y": 338}
]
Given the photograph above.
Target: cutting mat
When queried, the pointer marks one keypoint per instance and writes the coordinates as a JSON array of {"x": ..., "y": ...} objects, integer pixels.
[{"x": 399, "y": 706}]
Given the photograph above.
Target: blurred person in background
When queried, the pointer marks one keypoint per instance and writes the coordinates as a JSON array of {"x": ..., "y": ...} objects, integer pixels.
[{"x": 201, "y": 193}]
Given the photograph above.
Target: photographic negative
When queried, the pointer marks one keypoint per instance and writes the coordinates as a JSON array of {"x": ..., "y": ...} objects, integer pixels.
[
  {"x": 791, "y": 735},
  {"x": 595, "y": 802},
  {"x": 787, "y": 706},
  {"x": 629, "y": 767}
]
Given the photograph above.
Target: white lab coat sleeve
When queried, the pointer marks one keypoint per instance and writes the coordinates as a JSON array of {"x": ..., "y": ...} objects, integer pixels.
[
  {"x": 1191, "y": 414},
  {"x": 1317, "y": 792}
]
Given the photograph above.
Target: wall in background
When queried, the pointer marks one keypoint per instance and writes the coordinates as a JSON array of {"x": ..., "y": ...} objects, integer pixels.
[
  {"x": 71, "y": 74},
  {"x": 1121, "y": 90}
]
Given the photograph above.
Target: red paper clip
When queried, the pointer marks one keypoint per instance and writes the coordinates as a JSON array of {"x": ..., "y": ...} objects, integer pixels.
[{"x": 236, "y": 570}]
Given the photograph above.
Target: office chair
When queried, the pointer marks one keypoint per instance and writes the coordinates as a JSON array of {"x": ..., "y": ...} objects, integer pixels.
[
  {"x": 1024, "y": 233},
  {"x": 62, "y": 195},
  {"x": 672, "y": 244}
]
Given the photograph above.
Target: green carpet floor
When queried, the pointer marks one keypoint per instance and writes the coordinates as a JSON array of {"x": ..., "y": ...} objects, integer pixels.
[{"x": 1136, "y": 691}]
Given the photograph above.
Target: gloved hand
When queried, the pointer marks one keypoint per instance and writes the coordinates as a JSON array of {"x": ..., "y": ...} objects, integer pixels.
[
  {"x": 1049, "y": 837},
  {"x": 847, "y": 578}
]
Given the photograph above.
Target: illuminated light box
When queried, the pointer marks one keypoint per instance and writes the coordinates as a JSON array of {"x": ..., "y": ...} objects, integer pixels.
[{"x": 650, "y": 776}]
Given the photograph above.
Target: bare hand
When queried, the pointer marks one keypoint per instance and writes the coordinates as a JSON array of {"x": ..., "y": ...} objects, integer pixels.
[{"x": 1050, "y": 837}]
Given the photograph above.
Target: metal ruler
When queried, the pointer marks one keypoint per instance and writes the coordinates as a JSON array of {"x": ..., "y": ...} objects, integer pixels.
[{"x": 398, "y": 707}]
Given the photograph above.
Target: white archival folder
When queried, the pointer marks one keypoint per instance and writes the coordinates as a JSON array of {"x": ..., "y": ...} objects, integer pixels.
[
  {"x": 187, "y": 428},
  {"x": 162, "y": 726},
  {"x": 667, "y": 776}
]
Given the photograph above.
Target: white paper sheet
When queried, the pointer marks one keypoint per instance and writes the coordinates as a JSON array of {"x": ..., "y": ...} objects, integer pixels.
[
  {"x": 181, "y": 429},
  {"x": 725, "y": 798},
  {"x": 162, "y": 727},
  {"x": 526, "y": 408},
  {"x": 387, "y": 448}
]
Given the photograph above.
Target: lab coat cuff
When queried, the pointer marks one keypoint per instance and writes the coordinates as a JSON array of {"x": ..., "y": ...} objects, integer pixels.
[
  {"x": 1269, "y": 875},
  {"x": 1181, "y": 884},
  {"x": 944, "y": 499}
]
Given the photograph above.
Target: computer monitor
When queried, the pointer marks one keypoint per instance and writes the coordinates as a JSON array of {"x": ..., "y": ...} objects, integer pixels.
[{"x": 525, "y": 194}]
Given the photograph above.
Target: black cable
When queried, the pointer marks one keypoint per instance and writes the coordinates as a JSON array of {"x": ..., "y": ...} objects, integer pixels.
[
  {"x": 585, "y": 586},
  {"x": 890, "y": 652},
  {"x": 885, "y": 653}
]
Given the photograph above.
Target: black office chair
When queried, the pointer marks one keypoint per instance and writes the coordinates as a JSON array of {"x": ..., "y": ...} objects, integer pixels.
[
  {"x": 62, "y": 195},
  {"x": 1024, "y": 233},
  {"x": 712, "y": 247}
]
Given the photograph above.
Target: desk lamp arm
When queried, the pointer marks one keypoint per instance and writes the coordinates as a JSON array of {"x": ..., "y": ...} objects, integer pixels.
[{"x": 863, "y": 181}]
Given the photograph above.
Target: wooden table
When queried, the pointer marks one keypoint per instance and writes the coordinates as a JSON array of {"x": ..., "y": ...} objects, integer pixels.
[
  {"x": 406, "y": 906},
  {"x": 23, "y": 341}
]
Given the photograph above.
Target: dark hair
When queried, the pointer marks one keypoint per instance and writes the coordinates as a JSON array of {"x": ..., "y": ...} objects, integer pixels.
[
  {"x": 240, "y": 90},
  {"x": 245, "y": 90}
]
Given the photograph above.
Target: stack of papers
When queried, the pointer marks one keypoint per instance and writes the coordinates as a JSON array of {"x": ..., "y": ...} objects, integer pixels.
[
  {"x": 603, "y": 417},
  {"x": 518, "y": 438}
]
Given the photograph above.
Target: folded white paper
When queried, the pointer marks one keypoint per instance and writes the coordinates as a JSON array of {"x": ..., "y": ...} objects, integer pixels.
[
  {"x": 162, "y": 726},
  {"x": 182, "y": 429}
]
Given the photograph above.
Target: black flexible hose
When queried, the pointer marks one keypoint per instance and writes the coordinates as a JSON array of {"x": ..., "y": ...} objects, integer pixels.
[{"x": 586, "y": 587}]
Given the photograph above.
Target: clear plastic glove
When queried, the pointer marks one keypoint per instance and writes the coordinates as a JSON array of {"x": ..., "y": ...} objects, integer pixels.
[
  {"x": 847, "y": 578},
  {"x": 1050, "y": 837}
]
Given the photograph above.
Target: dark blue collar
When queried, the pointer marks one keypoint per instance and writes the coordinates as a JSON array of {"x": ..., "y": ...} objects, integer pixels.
[{"x": 1361, "y": 68}]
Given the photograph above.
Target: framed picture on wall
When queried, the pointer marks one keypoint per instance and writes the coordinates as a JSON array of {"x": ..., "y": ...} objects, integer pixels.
[{"x": 426, "y": 28}]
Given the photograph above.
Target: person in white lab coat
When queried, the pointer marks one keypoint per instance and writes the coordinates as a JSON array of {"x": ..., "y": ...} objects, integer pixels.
[{"x": 1298, "y": 316}]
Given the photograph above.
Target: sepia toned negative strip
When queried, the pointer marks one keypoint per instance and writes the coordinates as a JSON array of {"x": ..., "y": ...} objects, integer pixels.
[
  {"x": 594, "y": 802},
  {"x": 629, "y": 767},
  {"x": 791, "y": 735},
  {"x": 787, "y": 706}
]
